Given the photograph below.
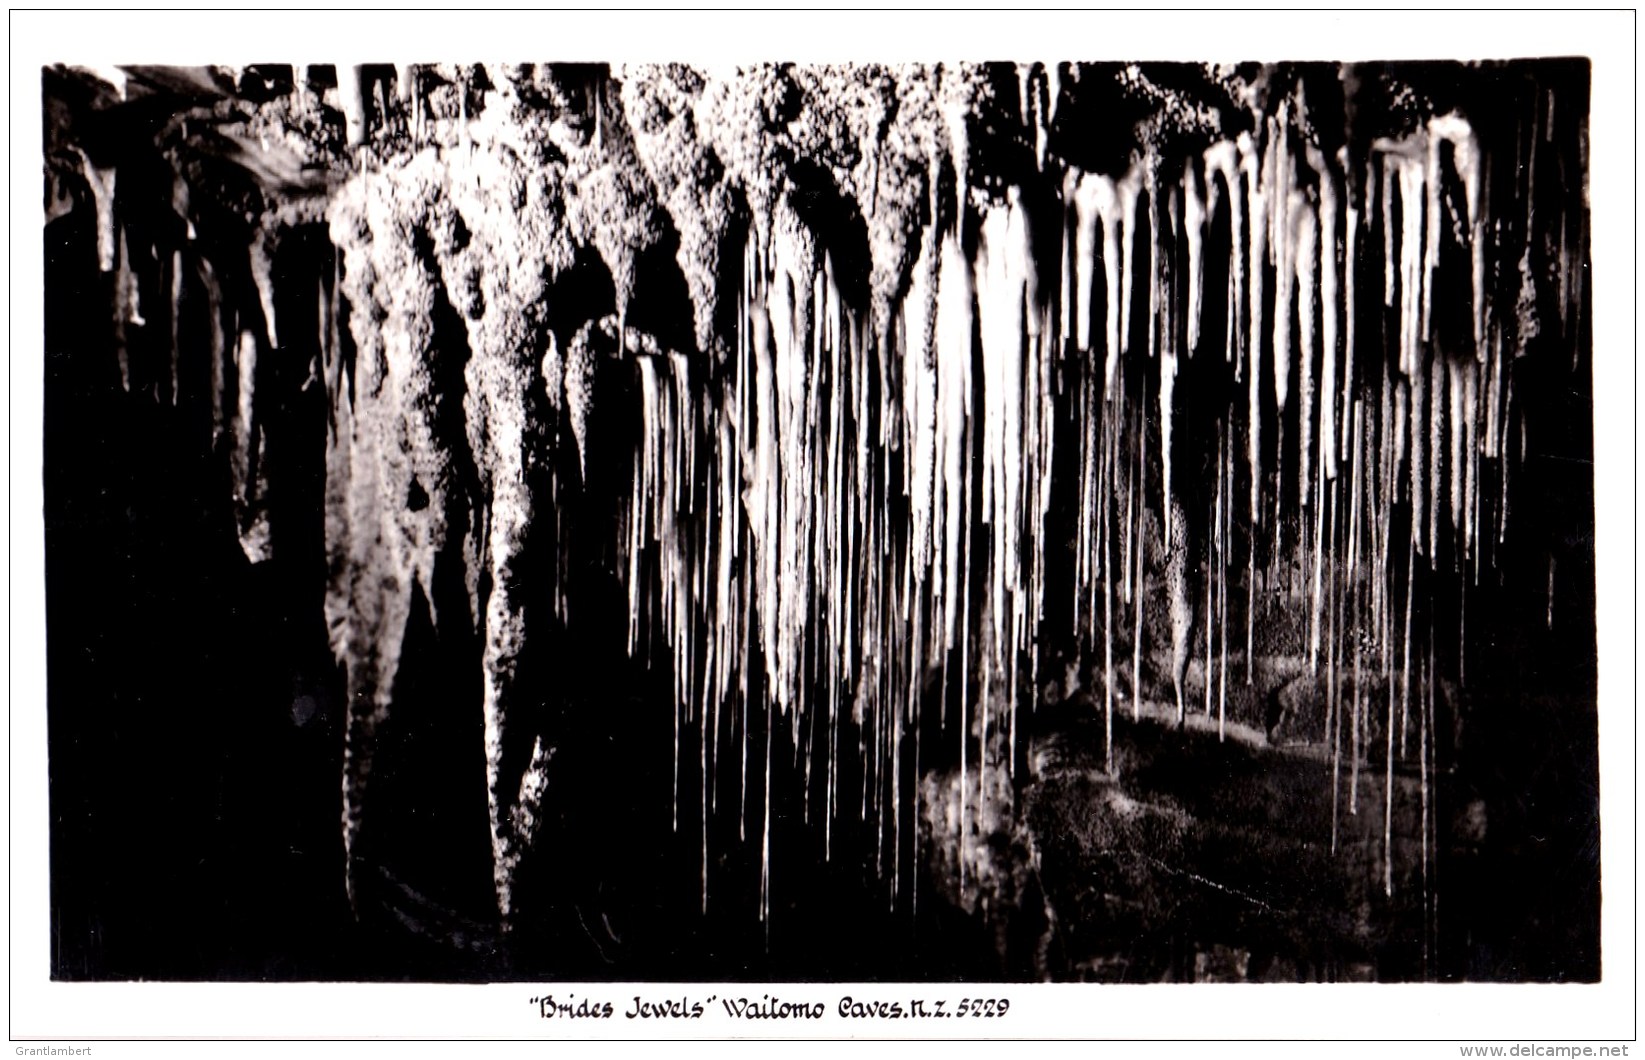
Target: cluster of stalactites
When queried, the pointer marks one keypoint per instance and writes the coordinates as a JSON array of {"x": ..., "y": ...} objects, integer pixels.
[
  {"x": 781, "y": 546},
  {"x": 795, "y": 559},
  {"x": 153, "y": 276},
  {"x": 1284, "y": 204},
  {"x": 777, "y": 549},
  {"x": 438, "y": 450}
]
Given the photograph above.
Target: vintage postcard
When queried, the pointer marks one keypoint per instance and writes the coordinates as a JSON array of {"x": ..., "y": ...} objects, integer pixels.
[{"x": 722, "y": 536}]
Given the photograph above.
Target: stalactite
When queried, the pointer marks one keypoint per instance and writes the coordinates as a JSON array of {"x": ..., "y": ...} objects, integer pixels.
[
  {"x": 1210, "y": 580},
  {"x": 1225, "y": 159},
  {"x": 1128, "y": 525},
  {"x": 1193, "y": 223},
  {"x": 1109, "y": 511},
  {"x": 954, "y": 395},
  {"x": 1256, "y": 167},
  {"x": 1129, "y": 191},
  {"x": 1167, "y": 387},
  {"x": 920, "y": 402},
  {"x": 1423, "y": 766},
  {"x": 1225, "y": 497},
  {"x": 1457, "y": 435},
  {"x": 1283, "y": 202},
  {"x": 394, "y": 445},
  {"x": 1436, "y": 450},
  {"x": 174, "y": 275},
  {"x": 1306, "y": 257},
  {"x": 258, "y": 253},
  {"x": 1318, "y": 572},
  {"x": 1256, "y": 176},
  {"x": 351, "y": 94},
  {"x": 1333, "y": 704},
  {"x": 1355, "y": 506},
  {"x": 1114, "y": 203},
  {"x": 1414, "y": 202},
  {"x": 1330, "y": 311},
  {"x": 1001, "y": 290},
  {"x": 1141, "y": 550},
  {"x": 246, "y": 458},
  {"x": 101, "y": 181},
  {"x": 1388, "y": 799}
]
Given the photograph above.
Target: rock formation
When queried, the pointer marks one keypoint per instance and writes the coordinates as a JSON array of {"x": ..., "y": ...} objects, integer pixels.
[{"x": 875, "y": 390}]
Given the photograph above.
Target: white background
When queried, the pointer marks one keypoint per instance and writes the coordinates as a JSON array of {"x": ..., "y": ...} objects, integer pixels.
[{"x": 180, "y": 1019}]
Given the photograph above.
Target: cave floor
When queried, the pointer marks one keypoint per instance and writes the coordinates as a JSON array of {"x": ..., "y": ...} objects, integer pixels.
[{"x": 1209, "y": 854}]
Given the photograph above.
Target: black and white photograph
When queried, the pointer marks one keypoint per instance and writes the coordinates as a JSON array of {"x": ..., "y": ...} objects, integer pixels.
[{"x": 755, "y": 525}]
